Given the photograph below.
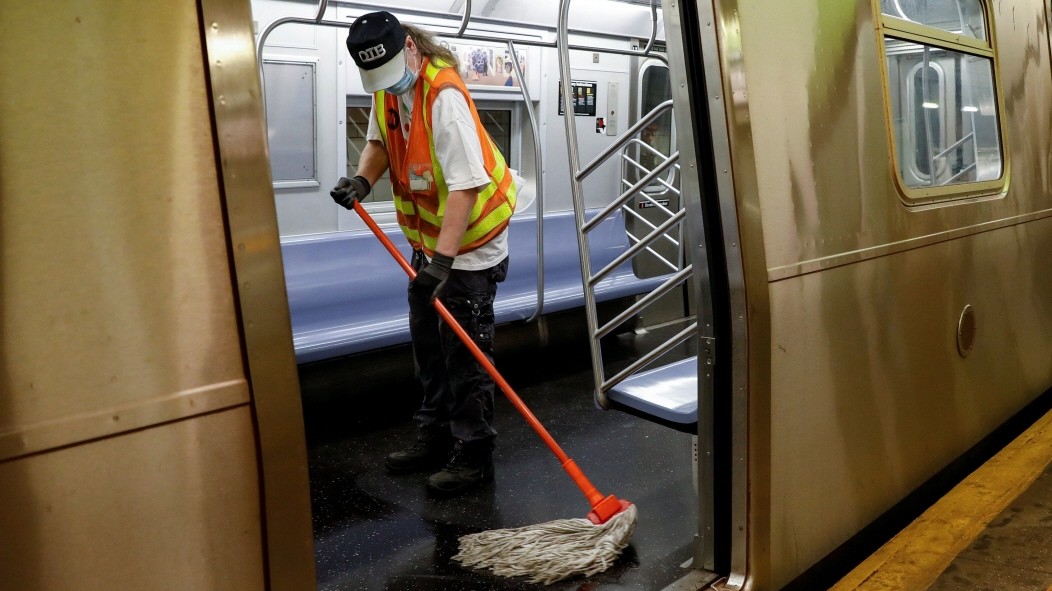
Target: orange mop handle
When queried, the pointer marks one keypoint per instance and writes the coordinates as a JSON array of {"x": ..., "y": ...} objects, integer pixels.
[{"x": 594, "y": 497}]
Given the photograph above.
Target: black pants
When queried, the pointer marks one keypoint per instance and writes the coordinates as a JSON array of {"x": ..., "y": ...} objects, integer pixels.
[{"x": 457, "y": 390}]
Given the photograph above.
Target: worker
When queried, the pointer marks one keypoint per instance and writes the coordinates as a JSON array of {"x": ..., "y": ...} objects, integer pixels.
[{"x": 454, "y": 195}]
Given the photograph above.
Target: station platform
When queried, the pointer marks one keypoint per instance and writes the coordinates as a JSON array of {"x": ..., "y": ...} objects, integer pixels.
[{"x": 993, "y": 531}]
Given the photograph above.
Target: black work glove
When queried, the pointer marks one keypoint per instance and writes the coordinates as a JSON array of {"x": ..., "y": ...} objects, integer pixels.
[
  {"x": 432, "y": 278},
  {"x": 347, "y": 191}
]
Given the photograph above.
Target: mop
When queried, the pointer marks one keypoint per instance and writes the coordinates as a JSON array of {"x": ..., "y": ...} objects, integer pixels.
[{"x": 546, "y": 552}]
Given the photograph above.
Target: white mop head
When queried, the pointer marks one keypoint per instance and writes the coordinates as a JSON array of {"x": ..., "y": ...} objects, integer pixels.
[{"x": 552, "y": 551}]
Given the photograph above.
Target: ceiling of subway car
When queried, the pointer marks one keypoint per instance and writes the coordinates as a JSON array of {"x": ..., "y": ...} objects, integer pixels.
[{"x": 621, "y": 17}]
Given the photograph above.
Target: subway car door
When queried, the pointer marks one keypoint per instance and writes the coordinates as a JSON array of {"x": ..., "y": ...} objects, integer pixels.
[{"x": 655, "y": 142}]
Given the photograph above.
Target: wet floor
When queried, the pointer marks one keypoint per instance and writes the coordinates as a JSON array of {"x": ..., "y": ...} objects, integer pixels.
[{"x": 375, "y": 531}]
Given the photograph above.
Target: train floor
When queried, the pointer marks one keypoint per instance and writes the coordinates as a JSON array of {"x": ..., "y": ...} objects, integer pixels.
[
  {"x": 990, "y": 532},
  {"x": 377, "y": 531}
]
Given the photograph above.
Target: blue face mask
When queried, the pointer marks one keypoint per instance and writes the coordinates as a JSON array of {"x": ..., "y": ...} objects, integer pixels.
[{"x": 405, "y": 84}]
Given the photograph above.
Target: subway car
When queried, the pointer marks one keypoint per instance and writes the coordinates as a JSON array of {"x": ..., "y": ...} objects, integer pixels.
[
  {"x": 317, "y": 115},
  {"x": 839, "y": 212}
]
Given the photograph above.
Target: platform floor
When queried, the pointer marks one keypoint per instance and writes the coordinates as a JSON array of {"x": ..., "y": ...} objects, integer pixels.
[
  {"x": 375, "y": 531},
  {"x": 992, "y": 532}
]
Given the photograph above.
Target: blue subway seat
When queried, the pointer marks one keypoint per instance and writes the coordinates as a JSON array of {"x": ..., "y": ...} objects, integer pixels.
[
  {"x": 346, "y": 294},
  {"x": 669, "y": 392}
]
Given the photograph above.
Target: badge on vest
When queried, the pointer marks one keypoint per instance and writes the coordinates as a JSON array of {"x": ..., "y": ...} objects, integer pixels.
[{"x": 421, "y": 182}]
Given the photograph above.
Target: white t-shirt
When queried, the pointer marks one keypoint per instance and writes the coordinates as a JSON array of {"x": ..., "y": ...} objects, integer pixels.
[{"x": 460, "y": 155}]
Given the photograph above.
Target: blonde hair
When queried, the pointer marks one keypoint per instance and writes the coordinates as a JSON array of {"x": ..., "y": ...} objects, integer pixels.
[{"x": 428, "y": 46}]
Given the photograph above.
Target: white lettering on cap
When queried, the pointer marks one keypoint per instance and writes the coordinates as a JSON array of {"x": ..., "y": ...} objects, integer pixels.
[{"x": 372, "y": 54}]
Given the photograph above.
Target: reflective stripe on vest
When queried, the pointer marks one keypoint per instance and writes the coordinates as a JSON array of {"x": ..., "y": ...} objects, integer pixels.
[{"x": 418, "y": 184}]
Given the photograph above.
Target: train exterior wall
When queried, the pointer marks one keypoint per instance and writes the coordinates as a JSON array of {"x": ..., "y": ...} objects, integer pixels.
[
  {"x": 857, "y": 392},
  {"x": 147, "y": 399}
]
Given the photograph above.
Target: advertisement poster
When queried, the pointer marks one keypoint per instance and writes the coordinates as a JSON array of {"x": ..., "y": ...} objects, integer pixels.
[
  {"x": 486, "y": 65},
  {"x": 583, "y": 99}
]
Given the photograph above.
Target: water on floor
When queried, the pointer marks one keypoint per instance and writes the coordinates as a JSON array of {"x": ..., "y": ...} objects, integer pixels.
[{"x": 376, "y": 531}]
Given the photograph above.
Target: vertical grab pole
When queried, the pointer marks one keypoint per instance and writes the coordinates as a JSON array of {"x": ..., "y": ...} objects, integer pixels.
[
  {"x": 576, "y": 193},
  {"x": 539, "y": 165},
  {"x": 464, "y": 21},
  {"x": 322, "y": 5},
  {"x": 537, "y": 157}
]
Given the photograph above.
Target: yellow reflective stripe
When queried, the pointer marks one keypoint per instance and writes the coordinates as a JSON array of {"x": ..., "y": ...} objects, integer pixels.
[
  {"x": 405, "y": 206},
  {"x": 410, "y": 233},
  {"x": 499, "y": 169},
  {"x": 441, "y": 188},
  {"x": 430, "y": 218},
  {"x": 483, "y": 199},
  {"x": 488, "y": 192},
  {"x": 512, "y": 195},
  {"x": 485, "y": 225}
]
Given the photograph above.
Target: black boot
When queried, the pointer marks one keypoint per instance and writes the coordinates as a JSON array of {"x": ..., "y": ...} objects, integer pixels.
[
  {"x": 430, "y": 450},
  {"x": 470, "y": 466}
]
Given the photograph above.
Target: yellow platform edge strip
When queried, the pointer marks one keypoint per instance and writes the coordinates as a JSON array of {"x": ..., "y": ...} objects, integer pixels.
[{"x": 914, "y": 559}]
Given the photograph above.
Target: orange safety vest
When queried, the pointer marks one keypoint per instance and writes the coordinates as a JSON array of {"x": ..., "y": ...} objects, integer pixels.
[{"x": 419, "y": 187}]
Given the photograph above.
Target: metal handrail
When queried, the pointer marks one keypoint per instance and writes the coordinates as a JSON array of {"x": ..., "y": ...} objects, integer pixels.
[
  {"x": 629, "y": 211},
  {"x": 538, "y": 158},
  {"x": 538, "y": 309},
  {"x": 671, "y": 266},
  {"x": 467, "y": 17},
  {"x": 577, "y": 198},
  {"x": 624, "y": 139},
  {"x": 468, "y": 37},
  {"x": 656, "y": 205},
  {"x": 954, "y": 145},
  {"x": 650, "y": 196},
  {"x": 641, "y": 144},
  {"x": 322, "y": 5},
  {"x": 577, "y": 176},
  {"x": 653, "y": 29},
  {"x": 645, "y": 360},
  {"x": 640, "y": 168},
  {"x": 963, "y": 172},
  {"x": 635, "y": 248},
  {"x": 648, "y": 147},
  {"x": 631, "y": 192},
  {"x": 663, "y": 289}
]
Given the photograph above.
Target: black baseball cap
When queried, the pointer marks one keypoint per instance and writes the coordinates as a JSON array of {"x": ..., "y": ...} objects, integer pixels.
[{"x": 376, "y": 43}]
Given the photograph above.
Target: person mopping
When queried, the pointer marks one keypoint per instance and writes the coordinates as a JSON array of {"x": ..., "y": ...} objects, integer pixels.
[{"x": 455, "y": 196}]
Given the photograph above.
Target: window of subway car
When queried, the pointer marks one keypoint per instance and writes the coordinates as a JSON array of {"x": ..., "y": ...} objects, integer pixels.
[
  {"x": 498, "y": 122},
  {"x": 942, "y": 101}
]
